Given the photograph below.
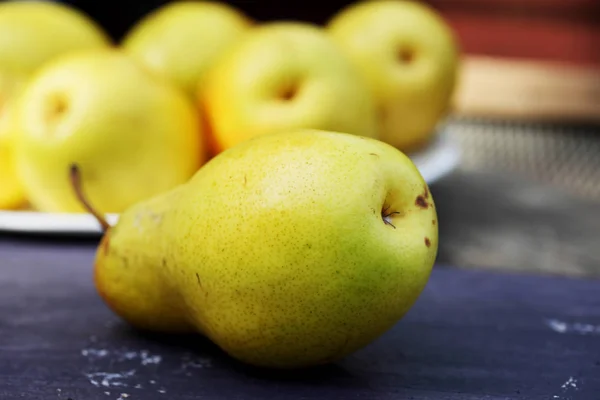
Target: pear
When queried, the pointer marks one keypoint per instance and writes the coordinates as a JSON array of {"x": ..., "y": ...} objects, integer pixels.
[
  {"x": 183, "y": 39},
  {"x": 281, "y": 76},
  {"x": 289, "y": 250},
  {"x": 410, "y": 57},
  {"x": 12, "y": 195},
  {"x": 31, "y": 34},
  {"x": 34, "y": 32},
  {"x": 133, "y": 132}
]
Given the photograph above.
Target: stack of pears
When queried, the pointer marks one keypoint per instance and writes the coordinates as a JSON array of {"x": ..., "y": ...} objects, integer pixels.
[
  {"x": 192, "y": 79},
  {"x": 259, "y": 169}
]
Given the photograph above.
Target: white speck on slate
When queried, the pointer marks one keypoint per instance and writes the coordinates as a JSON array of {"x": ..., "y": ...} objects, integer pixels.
[
  {"x": 152, "y": 382},
  {"x": 162, "y": 391},
  {"x": 138, "y": 386},
  {"x": 110, "y": 379},
  {"x": 571, "y": 382},
  {"x": 557, "y": 326},
  {"x": 145, "y": 357},
  {"x": 149, "y": 358},
  {"x": 577, "y": 327},
  {"x": 107, "y": 393},
  {"x": 569, "y": 385},
  {"x": 99, "y": 353}
]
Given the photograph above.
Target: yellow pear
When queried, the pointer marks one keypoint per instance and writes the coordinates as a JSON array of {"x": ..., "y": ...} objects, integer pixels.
[
  {"x": 11, "y": 191},
  {"x": 135, "y": 133},
  {"x": 183, "y": 39},
  {"x": 31, "y": 34},
  {"x": 281, "y": 76},
  {"x": 409, "y": 56},
  {"x": 34, "y": 32},
  {"x": 288, "y": 250}
]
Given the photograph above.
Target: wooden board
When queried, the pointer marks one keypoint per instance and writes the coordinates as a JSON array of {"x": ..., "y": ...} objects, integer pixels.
[{"x": 527, "y": 89}]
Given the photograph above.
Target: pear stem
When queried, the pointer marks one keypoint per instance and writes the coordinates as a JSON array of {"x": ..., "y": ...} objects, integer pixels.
[{"x": 75, "y": 175}]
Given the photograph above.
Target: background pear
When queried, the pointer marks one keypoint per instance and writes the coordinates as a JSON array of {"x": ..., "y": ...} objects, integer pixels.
[
  {"x": 409, "y": 56},
  {"x": 11, "y": 191},
  {"x": 281, "y": 76},
  {"x": 183, "y": 39},
  {"x": 41, "y": 30},
  {"x": 31, "y": 34},
  {"x": 288, "y": 250},
  {"x": 133, "y": 133}
]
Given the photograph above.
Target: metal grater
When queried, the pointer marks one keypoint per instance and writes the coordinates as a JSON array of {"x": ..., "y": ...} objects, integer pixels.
[{"x": 566, "y": 156}]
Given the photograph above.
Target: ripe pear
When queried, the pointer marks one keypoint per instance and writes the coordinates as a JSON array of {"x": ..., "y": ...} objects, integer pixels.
[
  {"x": 133, "y": 132},
  {"x": 280, "y": 76},
  {"x": 183, "y": 39},
  {"x": 410, "y": 57},
  {"x": 289, "y": 250},
  {"x": 12, "y": 195},
  {"x": 31, "y": 34},
  {"x": 34, "y": 32}
]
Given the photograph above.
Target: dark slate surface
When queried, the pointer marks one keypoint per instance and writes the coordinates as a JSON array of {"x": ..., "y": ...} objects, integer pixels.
[{"x": 471, "y": 335}]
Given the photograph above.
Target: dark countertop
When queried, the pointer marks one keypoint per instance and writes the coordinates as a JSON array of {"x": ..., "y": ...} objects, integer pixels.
[
  {"x": 512, "y": 333},
  {"x": 506, "y": 222}
]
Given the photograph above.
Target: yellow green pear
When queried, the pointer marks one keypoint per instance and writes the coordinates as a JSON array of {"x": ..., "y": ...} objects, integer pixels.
[
  {"x": 183, "y": 39},
  {"x": 12, "y": 195},
  {"x": 31, "y": 34},
  {"x": 289, "y": 250},
  {"x": 34, "y": 32},
  {"x": 280, "y": 76},
  {"x": 410, "y": 57},
  {"x": 133, "y": 132}
]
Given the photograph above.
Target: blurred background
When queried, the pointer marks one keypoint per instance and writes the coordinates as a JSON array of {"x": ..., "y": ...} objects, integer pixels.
[
  {"x": 529, "y": 98},
  {"x": 526, "y": 115}
]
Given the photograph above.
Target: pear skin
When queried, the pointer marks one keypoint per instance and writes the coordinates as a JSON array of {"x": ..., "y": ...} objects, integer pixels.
[
  {"x": 289, "y": 250},
  {"x": 283, "y": 76},
  {"x": 134, "y": 134},
  {"x": 411, "y": 59},
  {"x": 128, "y": 279},
  {"x": 183, "y": 39},
  {"x": 35, "y": 32},
  {"x": 12, "y": 195}
]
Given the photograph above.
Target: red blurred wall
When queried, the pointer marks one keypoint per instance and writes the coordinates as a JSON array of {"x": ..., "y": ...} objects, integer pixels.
[{"x": 557, "y": 30}]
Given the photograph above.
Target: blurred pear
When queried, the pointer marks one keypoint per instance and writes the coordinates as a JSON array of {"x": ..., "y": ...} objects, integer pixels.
[
  {"x": 31, "y": 34},
  {"x": 133, "y": 133},
  {"x": 183, "y": 39},
  {"x": 281, "y": 76},
  {"x": 34, "y": 32},
  {"x": 410, "y": 57},
  {"x": 11, "y": 191}
]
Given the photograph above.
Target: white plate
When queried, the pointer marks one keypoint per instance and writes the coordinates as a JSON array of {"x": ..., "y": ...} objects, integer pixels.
[{"x": 434, "y": 162}]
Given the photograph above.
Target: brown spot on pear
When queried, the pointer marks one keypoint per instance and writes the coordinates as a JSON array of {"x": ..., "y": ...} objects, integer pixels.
[{"x": 421, "y": 202}]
